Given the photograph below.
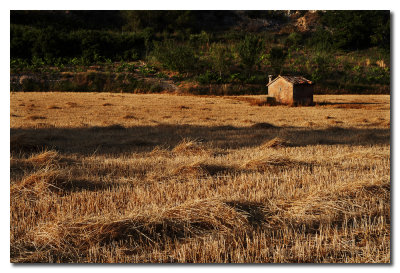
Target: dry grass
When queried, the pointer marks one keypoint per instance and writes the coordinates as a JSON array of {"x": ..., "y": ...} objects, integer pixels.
[
  {"x": 273, "y": 163},
  {"x": 247, "y": 185},
  {"x": 255, "y": 101}
]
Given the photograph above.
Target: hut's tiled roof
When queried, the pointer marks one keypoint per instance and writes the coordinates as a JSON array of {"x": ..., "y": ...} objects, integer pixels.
[{"x": 295, "y": 80}]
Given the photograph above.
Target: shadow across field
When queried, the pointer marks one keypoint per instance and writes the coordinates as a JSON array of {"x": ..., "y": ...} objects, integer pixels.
[
  {"x": 351, "y": 105},
  {"x": 346, "y": 103},
  {"x": 117, "y": 139}
]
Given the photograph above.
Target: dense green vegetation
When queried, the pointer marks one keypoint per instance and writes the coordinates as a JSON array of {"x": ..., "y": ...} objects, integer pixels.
[{"x": 346, "y": 51}]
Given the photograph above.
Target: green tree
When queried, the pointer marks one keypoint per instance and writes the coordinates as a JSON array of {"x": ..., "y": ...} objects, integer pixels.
[
  {"x": 221, "y": 57},
  {"x": 321, "y": 40},
  {"x": 358, "y": 29},
  {"x": 276, "y": 59},
  {"x": 249, "y": 51},
  {"x": 159, "y": 20},
  {"x": 319, "y": 66}
]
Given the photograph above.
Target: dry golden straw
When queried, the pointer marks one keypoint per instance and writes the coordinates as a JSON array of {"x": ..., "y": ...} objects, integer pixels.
[{"x": 125, "y": 178}]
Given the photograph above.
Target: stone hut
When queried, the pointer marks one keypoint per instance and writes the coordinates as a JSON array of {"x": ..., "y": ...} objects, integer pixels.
[{"x": 291, "y": 90}]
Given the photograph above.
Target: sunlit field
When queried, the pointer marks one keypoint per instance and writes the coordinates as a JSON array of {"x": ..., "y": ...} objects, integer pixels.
[{"x": 128, "y": 178}]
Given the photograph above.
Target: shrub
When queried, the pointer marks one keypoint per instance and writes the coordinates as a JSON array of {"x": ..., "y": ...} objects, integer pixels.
[
  {"x": 209, "y": 77},
  {"x": 319, "y": 66},
  {"x": 200, "y": 41},
  {"x": 30, "y": 84},
  {"x": 18, "y": 65},
  {"x": 176, "y": 56},
  {"x": 155, "y": 88},
  {"x": 379, "y": 75},
  {"x": 294, "y": 40},
  {"x": 122, "y": 67},
  {"x": 147, "y": 70},
  {"x": 81, "y": 61}
]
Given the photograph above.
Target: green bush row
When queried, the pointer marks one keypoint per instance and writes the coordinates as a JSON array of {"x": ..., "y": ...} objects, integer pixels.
[
  {"x": 92, "y": 45},
  {"x": 203, "y": 57}
]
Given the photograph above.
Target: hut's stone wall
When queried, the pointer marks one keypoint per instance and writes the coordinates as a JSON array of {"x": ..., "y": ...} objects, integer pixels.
[
  {"x": 288, "y": 91},
  {"x": 282, "y": 91}
]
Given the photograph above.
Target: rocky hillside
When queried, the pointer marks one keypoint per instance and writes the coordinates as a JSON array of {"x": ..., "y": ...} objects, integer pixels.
[{"x": 282, "y": 21}]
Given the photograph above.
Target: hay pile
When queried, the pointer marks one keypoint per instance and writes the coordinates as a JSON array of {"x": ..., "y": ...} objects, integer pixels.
[
  {"x": 40, "y": 182},
  {"x": 267, "y": 163},
  {"x": 193, "y": 218},
  {"x": 276, "y": 142},
  {"x": 190, "y": 147},
  {"x": 200, "y": 169},
  {"x": 44, "y": 158},
  {"x": 263, "y": 125},
  {"x": 190, "y": 170}
]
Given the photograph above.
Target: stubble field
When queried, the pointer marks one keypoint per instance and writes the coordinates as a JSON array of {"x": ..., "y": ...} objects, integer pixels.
[{"x": 127, "y": 178}]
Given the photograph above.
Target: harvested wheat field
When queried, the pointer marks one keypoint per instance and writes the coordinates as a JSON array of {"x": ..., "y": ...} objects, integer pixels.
[{"x": 127, "y": 178}]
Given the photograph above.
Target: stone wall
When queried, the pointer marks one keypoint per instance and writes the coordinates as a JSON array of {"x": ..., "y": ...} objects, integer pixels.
[{"x": 282, "y": 91}]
